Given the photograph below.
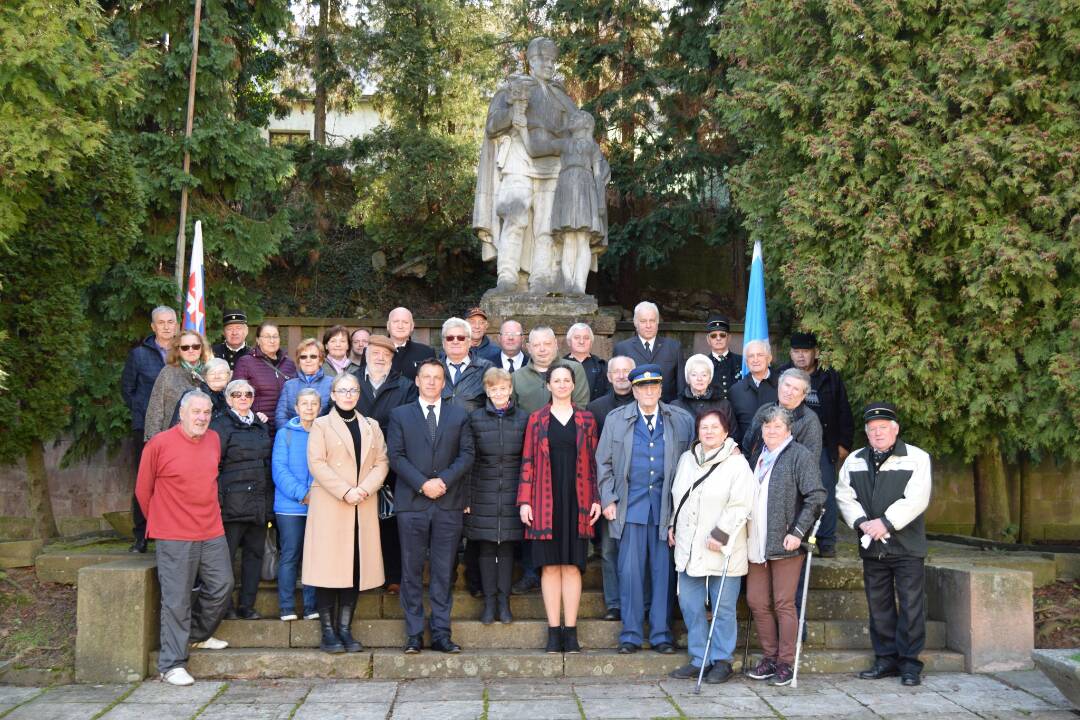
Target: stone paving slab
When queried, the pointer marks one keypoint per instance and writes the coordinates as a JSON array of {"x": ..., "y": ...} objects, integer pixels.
[
  {"x": 274, "y": 692},
  {"x": 441, "y": 690},
  {"x": 153, "y": 691},
  {"x": 835, "y": 704},
  {"x": 1034, "y": 682},
  {"x": 351, "y": 711},
  {"x": 1000, "y": 700},
  {"x": 86, "y": 693},
  {"x": 446, "y": 710},
  {"x": 614, "y": 707},
  {"x": 13, "y": 695},
  {"x": 723, "y": 707},
  {"x": 356, "y": 691},
  {"x": 153, "y": 711},
  {"x": 248, "y": 711},
  {"x": 514, "y": 689},
  {"x": 551, "y": 709},
  {"x": 39, "y": 710}
]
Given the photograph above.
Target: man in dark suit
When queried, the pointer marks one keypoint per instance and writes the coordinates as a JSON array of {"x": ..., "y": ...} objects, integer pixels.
[
  {"x": 407, "y": 354},
  {"x": 756, "y": 388},
  {"x": 646, "y": 348},
  {"x": 431, "y": 452}
]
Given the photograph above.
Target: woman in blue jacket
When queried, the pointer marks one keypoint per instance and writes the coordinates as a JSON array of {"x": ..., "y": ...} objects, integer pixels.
[
  {"x": 309, "y": 361},
  {"x": 292, "y": 482}
]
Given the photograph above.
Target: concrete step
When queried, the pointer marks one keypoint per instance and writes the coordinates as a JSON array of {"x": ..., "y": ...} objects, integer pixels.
[
  {"x": 375, "y": 604},
  {"x": 524, "y": 634},
  {"x": 393, "y": 664}
]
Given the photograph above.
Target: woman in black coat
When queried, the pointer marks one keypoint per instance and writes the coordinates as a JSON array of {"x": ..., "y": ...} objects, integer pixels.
[
  {"x": 492, "y": 520},
  {"x": 699, "y": 396},
  {"x": 245, "y": 490}
]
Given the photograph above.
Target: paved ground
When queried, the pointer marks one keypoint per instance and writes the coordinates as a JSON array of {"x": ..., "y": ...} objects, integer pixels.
[{"x": 948, "y": 695}]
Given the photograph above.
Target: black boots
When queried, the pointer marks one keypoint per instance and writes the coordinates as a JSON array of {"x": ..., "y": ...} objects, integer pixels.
[
  {"x": 504, "y": 609},
  {"x": 555, "y": 640},
  {"x": 487, "y": 581},
  {"x": 504, "y": 574},
  {"x": 330, "y": 642},
  {"x": 569, "y": 640},
  {"x": 344, "y": 627}
]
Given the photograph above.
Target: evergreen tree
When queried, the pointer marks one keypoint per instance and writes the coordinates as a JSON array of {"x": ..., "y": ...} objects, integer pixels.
[{"x": 914, "y": 181}]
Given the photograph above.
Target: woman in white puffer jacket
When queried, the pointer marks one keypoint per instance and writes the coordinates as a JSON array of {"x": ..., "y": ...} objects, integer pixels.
[{"x": 711, "y": 495}]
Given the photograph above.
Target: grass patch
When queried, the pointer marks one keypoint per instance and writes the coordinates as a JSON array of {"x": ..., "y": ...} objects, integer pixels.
[
  {"x": 1075, "y": 657},
  {"x": 37, "y": 621},
  {"x": 91, "y": 545}
]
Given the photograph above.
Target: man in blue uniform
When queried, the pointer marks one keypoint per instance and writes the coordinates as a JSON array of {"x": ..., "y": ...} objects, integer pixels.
[{"x": 639, "y": 450}]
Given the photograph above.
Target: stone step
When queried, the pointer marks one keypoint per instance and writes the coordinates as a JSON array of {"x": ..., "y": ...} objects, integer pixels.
[
  {"x": 381, "y": 633},
  {"x": 393, "y": 664},
  {"x": 822, "y": 605}
]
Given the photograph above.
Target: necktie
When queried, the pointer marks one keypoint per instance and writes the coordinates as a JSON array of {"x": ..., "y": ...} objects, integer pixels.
[
  {"x": 457, "y": 372},
  {"x": 648, "y": 348},
  {"x": 431, "y": 423},
  {"x": 510, "y": 365},
  {"x": 649, "y": 423}
]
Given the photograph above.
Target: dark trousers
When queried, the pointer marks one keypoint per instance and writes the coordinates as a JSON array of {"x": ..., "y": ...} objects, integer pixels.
[
  {"x": 826, "y": 534},
  {"x": 179, "y": 562},
  {"x": 251, "y": 536},
  {"x": 895, "y": 592},
  {"x": 471, "y": 560},
  {"x": 391, "y": 549},
  {"x": 137, "y": 445},
  {"x": 436, "y": 533},
  {"x": 495, "y": 563}
]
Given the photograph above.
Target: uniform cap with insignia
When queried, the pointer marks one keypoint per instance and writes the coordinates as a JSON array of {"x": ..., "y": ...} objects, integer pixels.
[
  {"x": 717, "y": 322},
  {"x": 646, "y": 374},
  {"x": 803, "y": 341},
  {"x": 233, "y": 317},
  {"x": 879, "y": 411}
]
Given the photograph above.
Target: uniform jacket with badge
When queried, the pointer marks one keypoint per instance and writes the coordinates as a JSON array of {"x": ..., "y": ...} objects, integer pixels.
[
  {"x": 614, "y": 453},
  {"x": 717, "y": 507},
  {"x": 897, "y": 493},
  {"x": 726, "y": 373},
  {"x": 329, "y": 540}
]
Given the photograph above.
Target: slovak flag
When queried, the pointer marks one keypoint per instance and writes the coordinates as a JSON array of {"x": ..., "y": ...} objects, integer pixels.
[
  {"x": 195, "y": 303},
  {"x": 756, "y": 326}
]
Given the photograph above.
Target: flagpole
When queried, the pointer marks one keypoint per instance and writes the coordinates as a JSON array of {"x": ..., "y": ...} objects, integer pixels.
[{"x": 181, "y": 240}]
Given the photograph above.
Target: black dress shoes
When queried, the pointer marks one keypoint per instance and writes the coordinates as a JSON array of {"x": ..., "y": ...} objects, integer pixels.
[
  {"x": 613, "y": 614},
  {"x": 445, "y": 645},
  {"x": 139, "y": 546},
  {"x": 879, "y": 671},
  {"x": 247, "y": 614},
  {"x": 664, "y": 648},
  {"x": 827, "y": 552},
  {"x": 628, "y": 648},
  {"x": 414, "y": 644},
  {"x": 910, "y": 679}
]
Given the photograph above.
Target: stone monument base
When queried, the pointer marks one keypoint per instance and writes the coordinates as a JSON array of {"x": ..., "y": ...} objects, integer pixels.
[{"x": 557, "y": 311}]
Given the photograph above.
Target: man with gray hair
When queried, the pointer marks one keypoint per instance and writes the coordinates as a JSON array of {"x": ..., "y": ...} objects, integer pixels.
[
  {"x": 178, "y": 491},
  {"x": 647, "y": 348},
  {"x": 141, "y": 369},
  {"x": 464, "y": 371},
  {"x": 579, "y": 338},
  {"x": 792, "y": 388},
  {"x": 757, "y": 388}
]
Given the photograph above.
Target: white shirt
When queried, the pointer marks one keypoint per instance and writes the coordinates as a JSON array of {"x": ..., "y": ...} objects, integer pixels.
[
  {"x": 463, "y": 363},
  {"x": 519, "y": 360},
  {"x": 757, "y": 532},
  {"x": 438, "y": 408},
  {"x": 652, "y": 343},
  {"x": 720, "y": 358}
]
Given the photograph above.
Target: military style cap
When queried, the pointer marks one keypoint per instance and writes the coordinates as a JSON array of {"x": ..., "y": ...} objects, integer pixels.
[
  {"x": 879, "y": 411},
  {"x": 472, "y": 312},
  {"x": 233, "y": 317},
  {"x": 643, "y": 374},
  {"x": 803, "y": 341},
  {"x": 717, "y": 322},
  {"x": 381, "y": 341}
]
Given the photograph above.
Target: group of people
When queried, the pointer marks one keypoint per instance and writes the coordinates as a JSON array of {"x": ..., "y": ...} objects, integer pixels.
[{"x": 374, "y": 454}]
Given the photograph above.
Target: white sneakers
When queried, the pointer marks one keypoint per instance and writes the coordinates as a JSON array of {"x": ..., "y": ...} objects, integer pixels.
[
  {"x": 311, "y": 616},
  {"x": 210, "y": 643},
  {"x": 178, "y": 676},
  {"x": 288, "y": 617}
]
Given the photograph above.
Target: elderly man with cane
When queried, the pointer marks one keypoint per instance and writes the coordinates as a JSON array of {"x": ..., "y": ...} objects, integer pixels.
[{"x": 882, "y": 492}]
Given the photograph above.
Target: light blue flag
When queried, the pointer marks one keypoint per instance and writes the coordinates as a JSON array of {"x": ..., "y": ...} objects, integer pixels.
[{"x": 756, "y": 326}]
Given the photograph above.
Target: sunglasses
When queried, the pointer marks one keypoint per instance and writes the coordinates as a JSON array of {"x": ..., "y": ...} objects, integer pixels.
[
  {"x": 241, "y": 394},
  {"x": 718, "y": 335},
  {"x": 455, "y": 338},
  {"x": 196, "y": 346},
  {"x": 309, "y": 357}
]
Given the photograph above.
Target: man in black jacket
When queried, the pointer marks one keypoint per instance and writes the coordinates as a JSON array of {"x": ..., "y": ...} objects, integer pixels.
[
  {"x": 579, "y": 338},
  {"x": 430, "y": 448},
  {"x": 233, "y": 345},
  {"x": 141, "y": 369},
  {"x": 828, "y": 398},
  {"x": 407, "y": 354},
  {"x": 883, "y": 492},
  {"x": 464, "y": 385},
  {"x": 727, "y": 366},
  {"x": 757, "y": 388}
]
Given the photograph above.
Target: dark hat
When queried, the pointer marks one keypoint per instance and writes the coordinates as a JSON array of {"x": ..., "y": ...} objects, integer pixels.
[
  {"x": 381, "y": 341},
  {"x": 717, "y": 322},
  {"x": 643, "y": 374},
  {"x": 879, "y": 411},
  {"x": 473, "y": 312},
  {"x": 233, "y": 317},
  {"x": 803, "y": 341}
]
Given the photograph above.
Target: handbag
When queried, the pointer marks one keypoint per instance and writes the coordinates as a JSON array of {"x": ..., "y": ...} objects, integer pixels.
[
  {"x": 270, "y": 556},
  {"x": 386, "y": 503}
]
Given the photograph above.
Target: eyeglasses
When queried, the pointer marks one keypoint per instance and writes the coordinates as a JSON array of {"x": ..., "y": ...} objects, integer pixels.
[
  {"x": 717, "y": 335},
  {"x": 309, "y": 357},
  {"x": 510, "y": 334},
  {"x": 242, "y": 394},
  {"x": 196, "y": 346},
  {"x": 269, "y": 337},
  {"x": 455, "y": 338},
  {"x": 351, "y": 392}
]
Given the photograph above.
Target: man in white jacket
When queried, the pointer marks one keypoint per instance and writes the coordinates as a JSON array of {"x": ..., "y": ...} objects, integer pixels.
[{"x": 882, "y": 493}]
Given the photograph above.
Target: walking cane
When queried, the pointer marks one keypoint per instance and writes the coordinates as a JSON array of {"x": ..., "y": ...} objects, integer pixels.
[
  {"x": 712, "y": 624},
  {"x": 810, "y": 545},
  {"x": 746, "y": 645}
]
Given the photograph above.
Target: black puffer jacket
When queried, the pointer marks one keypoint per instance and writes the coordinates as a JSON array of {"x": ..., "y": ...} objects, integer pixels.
[
  {"x": 493, "y": 514},
  {"x": 696, "y": 405},
  {"x": 245, "y": 490}
]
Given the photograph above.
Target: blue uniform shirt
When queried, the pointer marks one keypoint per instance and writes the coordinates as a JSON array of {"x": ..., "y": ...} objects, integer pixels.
[{"x": 646, "y": 472}]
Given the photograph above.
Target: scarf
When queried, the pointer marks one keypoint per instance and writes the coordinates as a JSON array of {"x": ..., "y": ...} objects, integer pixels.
[
  {"x": 196, "y": 369},
  {"x": 718, "y": 455},
  {"x": 879, "y": 457},
  {"x": 338, "y": 365}
]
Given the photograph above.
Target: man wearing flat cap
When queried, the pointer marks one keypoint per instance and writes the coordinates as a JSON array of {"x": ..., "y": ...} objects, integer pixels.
[
  {"x": 882, "y": 492},
  {"x": 636, "y": 459},
  {"x": 727, "y": 366},
  {"x": 234, "y": 345},
  {"x": 828, "y": 398}
]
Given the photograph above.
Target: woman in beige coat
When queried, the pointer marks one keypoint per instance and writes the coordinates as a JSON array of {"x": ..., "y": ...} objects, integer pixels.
[{"x": 342, "y": 553}]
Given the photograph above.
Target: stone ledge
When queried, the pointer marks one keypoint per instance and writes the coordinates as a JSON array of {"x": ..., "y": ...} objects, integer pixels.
[
  {"x": 118, "y": 620},
  {"x": 19, "y": 553}
]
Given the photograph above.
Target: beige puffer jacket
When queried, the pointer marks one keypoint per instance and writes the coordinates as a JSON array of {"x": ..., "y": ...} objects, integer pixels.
[{"x": 723, "y": 502}]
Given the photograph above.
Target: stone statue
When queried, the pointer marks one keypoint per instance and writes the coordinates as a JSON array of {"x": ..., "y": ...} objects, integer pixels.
[{"x": 540, "y": 205}]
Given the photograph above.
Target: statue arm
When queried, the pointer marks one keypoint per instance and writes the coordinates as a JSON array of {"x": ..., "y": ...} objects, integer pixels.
[
  {"x": 541, "y": 143},
  {"x": 500, "y": 116}
]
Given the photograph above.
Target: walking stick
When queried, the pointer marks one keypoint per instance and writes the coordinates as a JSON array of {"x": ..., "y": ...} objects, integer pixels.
[
  {"x": 746, "y": 645},
  {"x": 810, "y": 545},
  {"x": 712, "y": 624}
]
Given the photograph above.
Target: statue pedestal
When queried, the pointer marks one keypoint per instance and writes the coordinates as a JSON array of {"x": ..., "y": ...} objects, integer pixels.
[{"x": 556, "y": 311}]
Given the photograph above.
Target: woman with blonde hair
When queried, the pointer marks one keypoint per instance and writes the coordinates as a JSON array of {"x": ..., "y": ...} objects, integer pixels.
[{"x": 185, "y": 363}]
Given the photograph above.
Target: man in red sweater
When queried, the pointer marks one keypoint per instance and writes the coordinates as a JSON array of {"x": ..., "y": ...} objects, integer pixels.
[{"x": 178, "y": 492}]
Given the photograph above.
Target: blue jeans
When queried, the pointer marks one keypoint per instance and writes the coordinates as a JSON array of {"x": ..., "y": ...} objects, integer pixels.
[
  {"x": 609, "y": 563},
  {"x": 692, "y": 602},
  {"x": 291, "y": 549},
  {"x": 827, "y": 532}
]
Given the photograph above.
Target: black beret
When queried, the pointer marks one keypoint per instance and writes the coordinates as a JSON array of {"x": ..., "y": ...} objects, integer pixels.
[
  {"x": 232, "y": 317},
  {"x": 717, "y": 322},
  {"x": 803, "y": 341},
  {"x": 879, "y": 411}
]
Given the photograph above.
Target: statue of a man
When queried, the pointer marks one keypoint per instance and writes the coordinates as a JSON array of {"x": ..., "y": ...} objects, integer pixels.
[{"x": 527, "y": 123}]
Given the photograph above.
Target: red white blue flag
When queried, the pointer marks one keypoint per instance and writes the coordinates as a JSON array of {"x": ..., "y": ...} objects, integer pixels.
[{"x": 195, "y": 303}]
